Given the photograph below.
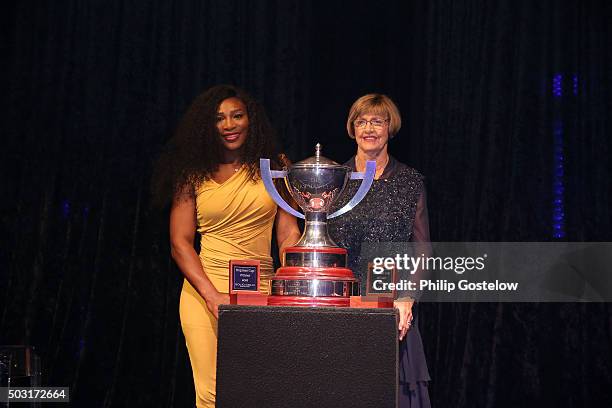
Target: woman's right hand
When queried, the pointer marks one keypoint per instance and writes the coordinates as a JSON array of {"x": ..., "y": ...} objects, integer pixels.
[{"x": 214, "y": 300}]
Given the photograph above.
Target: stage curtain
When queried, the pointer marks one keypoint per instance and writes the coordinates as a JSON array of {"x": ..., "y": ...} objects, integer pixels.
[{"x": 94, "y": 88}]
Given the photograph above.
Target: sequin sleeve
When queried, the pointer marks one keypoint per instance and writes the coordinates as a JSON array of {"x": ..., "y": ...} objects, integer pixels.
[
  {"x": 420, "y": 231},
  {"x": 421, "y": 242}
]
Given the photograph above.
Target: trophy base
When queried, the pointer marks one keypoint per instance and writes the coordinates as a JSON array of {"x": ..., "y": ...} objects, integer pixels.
[
  {"x": 308, "y": 301},
  {"x": 249, "y": 299},
  {"x": 372, "y": 302},
  {"x": 313, "y": 289},
  {"x": 305, "y": 273},
  {"x": 313, "y": 277},
  {"x": 327, "y": 257}
]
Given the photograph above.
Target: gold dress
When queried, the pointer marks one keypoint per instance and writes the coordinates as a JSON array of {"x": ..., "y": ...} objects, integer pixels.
[{"x": 235, "y": 221}]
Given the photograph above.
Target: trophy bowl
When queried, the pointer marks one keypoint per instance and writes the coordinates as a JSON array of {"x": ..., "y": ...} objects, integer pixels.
[
  {"x": 316, "y": 188},
  {"x": 315, "y": 184}
]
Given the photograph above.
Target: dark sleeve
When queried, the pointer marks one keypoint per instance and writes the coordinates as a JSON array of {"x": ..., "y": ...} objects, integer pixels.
[
  {"x": 420, "y": 231},
  {"x": 421, "y": 243}
]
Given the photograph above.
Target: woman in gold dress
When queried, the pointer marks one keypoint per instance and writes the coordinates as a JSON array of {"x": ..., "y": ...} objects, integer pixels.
[{"x": 211, "y": 167}]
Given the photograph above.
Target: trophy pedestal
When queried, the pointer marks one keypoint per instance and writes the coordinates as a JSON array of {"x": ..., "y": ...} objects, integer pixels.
[
  {"x": 309, "y": 301},
  {"x": 281, "y": 357},
  {"x": 313, "y": 277}
]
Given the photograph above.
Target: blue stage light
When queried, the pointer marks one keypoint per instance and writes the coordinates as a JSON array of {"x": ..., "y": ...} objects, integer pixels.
[
  {"x": 66, "y": 208},
  {"x": 558, "y": 187}
]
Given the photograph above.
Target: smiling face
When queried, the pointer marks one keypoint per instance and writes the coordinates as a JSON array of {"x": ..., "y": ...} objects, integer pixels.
[
  {"x": 372, "y": 139},
  {"x": 232, "y": 124}
]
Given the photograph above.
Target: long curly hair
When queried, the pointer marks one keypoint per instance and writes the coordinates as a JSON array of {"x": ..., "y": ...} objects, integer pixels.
[{"x": 194, "y": 152}]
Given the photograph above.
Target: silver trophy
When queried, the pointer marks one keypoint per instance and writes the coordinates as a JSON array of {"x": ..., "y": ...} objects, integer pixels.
[{"x": 314, "y": 272}]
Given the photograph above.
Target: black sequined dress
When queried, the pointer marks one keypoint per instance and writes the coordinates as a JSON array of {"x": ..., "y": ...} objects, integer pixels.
[{"x": 394, "y": 210}]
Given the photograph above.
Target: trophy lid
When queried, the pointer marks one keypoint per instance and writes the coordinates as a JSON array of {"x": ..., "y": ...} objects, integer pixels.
[{"x": 318, "y": 161}]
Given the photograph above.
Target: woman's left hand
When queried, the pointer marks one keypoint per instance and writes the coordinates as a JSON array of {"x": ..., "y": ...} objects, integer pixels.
[{"x": 404, "y": 308}]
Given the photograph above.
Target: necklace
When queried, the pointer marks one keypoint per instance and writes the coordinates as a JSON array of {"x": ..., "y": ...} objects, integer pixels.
[{"x": 236, "y": 166}]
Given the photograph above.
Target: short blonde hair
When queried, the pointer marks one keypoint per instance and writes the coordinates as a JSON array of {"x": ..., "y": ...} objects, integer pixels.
[{"x": 375, "y": 104}]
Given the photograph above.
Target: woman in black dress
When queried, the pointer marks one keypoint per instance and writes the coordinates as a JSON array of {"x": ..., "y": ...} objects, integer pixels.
[{"x": 394, "y": 210}]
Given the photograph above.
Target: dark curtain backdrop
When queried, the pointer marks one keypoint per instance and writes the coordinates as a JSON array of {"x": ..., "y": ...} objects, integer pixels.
[{"x": 500, "y": 101}]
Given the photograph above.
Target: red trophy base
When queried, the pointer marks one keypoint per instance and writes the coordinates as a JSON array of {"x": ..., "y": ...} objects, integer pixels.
[
  {"x": 372, "y": 302},
  {"x": 313, "y": 277},
  {"x": 249, "y": 299}
]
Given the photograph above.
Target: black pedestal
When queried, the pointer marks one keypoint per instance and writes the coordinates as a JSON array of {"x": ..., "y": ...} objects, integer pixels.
[{"x": 285, "y": 357}]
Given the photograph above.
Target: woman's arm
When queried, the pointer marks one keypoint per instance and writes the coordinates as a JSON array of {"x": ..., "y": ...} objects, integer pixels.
[
  {"x": 420, "y": 230},
  {"x": 182, "y": 233},
  {"x": 287, "y": 231},
  {"x": 420, "y": 233}
]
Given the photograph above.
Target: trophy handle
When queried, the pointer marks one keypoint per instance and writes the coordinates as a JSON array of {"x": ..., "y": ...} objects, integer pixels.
[
  {"x": 367, "y": 178},
  {"x": 267, "y": 175}
]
